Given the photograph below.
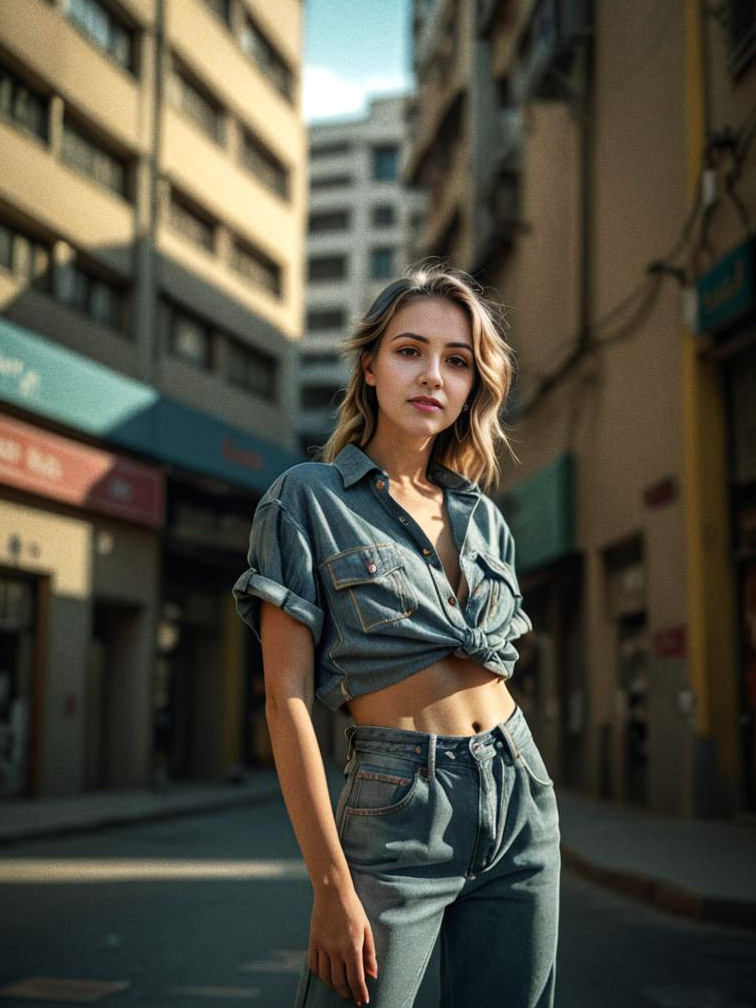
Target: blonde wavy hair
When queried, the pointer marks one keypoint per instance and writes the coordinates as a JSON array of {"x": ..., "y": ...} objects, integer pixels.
[{"x": 471, "y": 444}]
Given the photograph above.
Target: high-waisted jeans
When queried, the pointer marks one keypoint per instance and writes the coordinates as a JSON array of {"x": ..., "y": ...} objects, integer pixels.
[{"x": 458, "y": 835}]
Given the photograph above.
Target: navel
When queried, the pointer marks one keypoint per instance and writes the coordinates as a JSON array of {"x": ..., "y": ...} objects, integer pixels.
[{"x": 476, "y": 726}]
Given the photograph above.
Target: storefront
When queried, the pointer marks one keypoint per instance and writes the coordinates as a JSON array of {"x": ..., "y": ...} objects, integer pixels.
[
  {"x": 79, "y": 565},
  {"x": 727, "y": 314},
  {"x": 121, "y": 654},
  {"x": 549, "y": 677}
]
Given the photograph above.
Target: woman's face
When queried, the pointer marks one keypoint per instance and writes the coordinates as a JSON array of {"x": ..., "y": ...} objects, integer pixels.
[{"x": 426, "y": 350}]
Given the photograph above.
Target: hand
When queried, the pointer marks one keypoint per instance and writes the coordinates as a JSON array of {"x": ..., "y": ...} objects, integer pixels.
[{"x": 341, "y": 949}]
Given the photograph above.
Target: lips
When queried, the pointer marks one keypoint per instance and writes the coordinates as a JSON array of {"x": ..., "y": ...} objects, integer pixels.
[{"x": 426, "y": 400}]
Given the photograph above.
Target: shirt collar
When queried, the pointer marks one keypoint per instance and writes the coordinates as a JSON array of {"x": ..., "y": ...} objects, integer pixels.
[{"x": 353, "y": 463}]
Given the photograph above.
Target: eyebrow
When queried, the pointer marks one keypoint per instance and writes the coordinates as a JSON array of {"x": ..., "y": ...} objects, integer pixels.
[{"x": 424, "y": 339}]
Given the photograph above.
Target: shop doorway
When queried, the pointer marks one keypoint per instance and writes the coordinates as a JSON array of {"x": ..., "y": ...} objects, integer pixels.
[
  {"x": 20, "y": 684},
  {"x": 109, "y": 701}
]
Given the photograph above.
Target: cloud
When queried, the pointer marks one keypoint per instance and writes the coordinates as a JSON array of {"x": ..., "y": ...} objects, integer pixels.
[{"x": 326, "y": 95}]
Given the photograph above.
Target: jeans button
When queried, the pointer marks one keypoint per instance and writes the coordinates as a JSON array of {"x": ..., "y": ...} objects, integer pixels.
[{"x": 418, "y": 749}]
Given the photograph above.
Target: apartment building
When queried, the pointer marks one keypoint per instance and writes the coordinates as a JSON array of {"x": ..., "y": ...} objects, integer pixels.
[
  {"x": 360, "y": 236},
  {"x": 577, "y": 156},
  {"x": 152, "y": 201}
]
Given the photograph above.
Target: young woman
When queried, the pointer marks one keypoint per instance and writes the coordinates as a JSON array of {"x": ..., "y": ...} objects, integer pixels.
[{"x": 382, "y": 581}]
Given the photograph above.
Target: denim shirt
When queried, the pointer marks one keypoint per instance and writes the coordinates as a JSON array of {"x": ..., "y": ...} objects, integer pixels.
[{"x": 331, "y": 547}]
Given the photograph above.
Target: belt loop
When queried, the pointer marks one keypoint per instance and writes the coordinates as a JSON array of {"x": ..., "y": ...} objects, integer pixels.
[
  {"x": 431, "y": 757},
  {"x": 349, "y": 733},
  {"x": 512, "y": 744}
]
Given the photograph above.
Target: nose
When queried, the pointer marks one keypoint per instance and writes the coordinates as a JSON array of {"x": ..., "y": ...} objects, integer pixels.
[{"x": 432, "y": 374}]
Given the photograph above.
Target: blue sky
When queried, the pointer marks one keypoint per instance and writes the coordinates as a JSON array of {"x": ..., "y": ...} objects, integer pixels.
[{"x": 353, "y": 48}]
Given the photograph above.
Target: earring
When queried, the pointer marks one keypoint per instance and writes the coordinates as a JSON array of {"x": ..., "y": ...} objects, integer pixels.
[{"x": 466, "y": 406}]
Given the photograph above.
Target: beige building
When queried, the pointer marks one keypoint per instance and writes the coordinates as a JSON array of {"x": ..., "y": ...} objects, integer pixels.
[
  {"x": 566, "y": 147},
  {"x": 152, "y": 202}
]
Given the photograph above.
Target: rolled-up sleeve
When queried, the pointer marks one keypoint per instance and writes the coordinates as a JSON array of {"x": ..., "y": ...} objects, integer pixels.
[{"x": 281, "y": 570}]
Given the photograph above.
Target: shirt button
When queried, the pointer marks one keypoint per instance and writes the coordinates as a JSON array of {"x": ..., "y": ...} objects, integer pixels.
[
  {"x": 372, "y": 568},
  {"x": 380, "y": 484},
  {"x": 452, "y": 600}
]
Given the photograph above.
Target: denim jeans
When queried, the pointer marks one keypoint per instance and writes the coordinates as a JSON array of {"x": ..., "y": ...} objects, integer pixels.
[{"x": 457, "y": 835}]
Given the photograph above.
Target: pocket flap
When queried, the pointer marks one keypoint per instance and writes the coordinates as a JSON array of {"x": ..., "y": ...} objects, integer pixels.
[
  {"x": 502, "y": 570},
  {"x": 363, "y": 564}
]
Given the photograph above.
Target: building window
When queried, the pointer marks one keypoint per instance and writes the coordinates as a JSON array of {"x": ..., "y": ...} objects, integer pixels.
[
  {"x": 26, "y": 257},
  {"x": 191, "y": 222},
  {"x": 256, "y": 267},
  {"x": 91, "y": 294},
  {"x": 251, "y": 370},
  {"x": 188, "y": 95},
  {"x": 741, "y": 35},
  {"x": 385, "y": 163},
  {"x": 265, "y": 166},
  {"x": 330, "y": 149},
  {"x": 260, "y": 51},
  {"x": 221, "y": 9},
  {"x": 84, "y": 153},
  {"x": 381, "y": 263},
  {"x": 325, "y": 318},
  {"x": 102, "y": 27},
  {"x": 22, "y": 105},
  {"x": 318, "y": 396},
  {"x": 331, "y": 182},
  {"x": 187, "y": 337},
  {"x": 327, "y": 268},
  {"x": 329, "y": 220},
  {"x": 383, "y": 215}
]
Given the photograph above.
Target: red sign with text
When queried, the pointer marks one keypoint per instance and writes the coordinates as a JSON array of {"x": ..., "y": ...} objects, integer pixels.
[{"x": 53, "y": 466}]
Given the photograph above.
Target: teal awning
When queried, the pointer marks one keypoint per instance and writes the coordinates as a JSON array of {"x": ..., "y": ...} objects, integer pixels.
[
  {"x": 41, "y": 376},
  {"x": 541, "y": 514}
]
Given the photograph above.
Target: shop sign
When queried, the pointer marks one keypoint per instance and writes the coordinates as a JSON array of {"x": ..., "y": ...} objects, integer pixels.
[
  {"x": 727, "y": 293},
  {"x": 670, "y": 643},
  {"x": 40, "y": 462}
]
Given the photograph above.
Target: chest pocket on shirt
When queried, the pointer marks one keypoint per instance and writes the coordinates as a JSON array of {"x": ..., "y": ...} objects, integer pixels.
[
  {"x": 371, "y": 587},
  {"x": 498, "y": 583}
]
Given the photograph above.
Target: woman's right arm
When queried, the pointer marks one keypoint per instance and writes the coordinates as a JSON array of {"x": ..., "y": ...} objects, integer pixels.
[{"x": 341, "y": 947}]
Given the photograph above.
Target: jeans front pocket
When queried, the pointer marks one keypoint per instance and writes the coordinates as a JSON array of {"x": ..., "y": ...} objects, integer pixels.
[
  {"x": 370, "y": 588},
  {"x": 531, "y": 759}
]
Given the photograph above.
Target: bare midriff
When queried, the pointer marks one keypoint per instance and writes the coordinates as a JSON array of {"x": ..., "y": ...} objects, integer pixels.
[{"x": 453, "y": 696}]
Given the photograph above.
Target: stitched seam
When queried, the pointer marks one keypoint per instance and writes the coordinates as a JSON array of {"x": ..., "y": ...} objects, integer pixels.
[{"x": 536, "y": 778}]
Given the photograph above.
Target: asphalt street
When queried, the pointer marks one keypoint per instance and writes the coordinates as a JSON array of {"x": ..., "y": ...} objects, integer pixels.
[{"x": 213, "y": 909}]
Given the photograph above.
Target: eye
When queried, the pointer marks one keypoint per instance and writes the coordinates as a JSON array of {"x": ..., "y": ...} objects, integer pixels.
[
  {"x": 462, "y": 361},
  {"x": 411, "y": 349}
]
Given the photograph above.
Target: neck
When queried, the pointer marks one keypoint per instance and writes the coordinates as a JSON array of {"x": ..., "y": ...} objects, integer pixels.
[{"x": 405, "y": 461}]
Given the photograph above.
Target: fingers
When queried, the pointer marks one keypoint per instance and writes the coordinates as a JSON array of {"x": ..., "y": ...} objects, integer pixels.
[
  {"x": 368, "y": 953},
  {"x": 356, "y": 979},
  {"x": 344, "y": 974}
]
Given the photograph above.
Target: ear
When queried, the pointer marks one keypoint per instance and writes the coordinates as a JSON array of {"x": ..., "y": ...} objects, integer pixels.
[{"x": 366, "y": 363}]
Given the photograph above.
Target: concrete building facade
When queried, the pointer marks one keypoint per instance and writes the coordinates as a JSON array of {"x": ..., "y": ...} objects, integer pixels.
[
  {"x": 362, "y": 220},
  {"x": 569, "y": 148},
  {"x": 152, "y": 201}
]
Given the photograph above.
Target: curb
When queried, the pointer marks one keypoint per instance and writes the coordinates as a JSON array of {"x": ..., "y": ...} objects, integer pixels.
[
  {"x": 107, "y": 821},
  {"x": 665, "y": 895}
]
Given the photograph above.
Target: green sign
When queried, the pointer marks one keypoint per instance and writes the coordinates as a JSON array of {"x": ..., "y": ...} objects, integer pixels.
[
  {"x": 39, "y": 375},
  {"x": 541, "y": 514},
  {"x": 727, "y": 292}
]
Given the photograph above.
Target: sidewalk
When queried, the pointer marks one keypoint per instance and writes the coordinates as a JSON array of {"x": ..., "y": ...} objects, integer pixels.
[{"x": 704, "y": 869}]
